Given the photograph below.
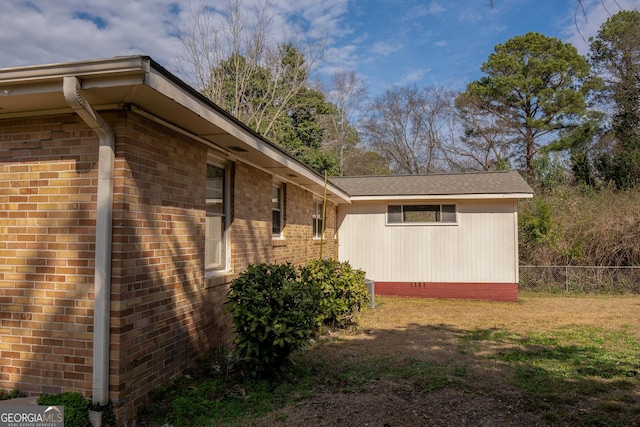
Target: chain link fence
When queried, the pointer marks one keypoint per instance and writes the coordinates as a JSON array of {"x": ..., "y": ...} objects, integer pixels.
[{"x": 580, "y": 279}]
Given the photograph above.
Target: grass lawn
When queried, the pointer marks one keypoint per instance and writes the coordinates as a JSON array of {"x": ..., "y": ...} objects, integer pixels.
[{"x": 545, "y": 360}]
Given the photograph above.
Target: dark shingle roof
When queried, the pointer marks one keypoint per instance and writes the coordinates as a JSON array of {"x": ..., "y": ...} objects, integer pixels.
[{"x": 434, "y": 185}]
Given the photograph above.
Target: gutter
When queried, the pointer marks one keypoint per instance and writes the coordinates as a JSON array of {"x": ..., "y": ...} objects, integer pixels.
[{"x": 104, "y": 212}]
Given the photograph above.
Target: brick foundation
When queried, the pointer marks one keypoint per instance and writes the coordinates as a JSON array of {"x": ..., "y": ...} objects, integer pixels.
[{"x": 479, "y": 291}]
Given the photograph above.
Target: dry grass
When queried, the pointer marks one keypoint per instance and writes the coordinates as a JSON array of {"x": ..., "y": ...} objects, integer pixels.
[
  {"x": 544, "y": 361},
  {"x": 541, "y": 361},
  {"x": 531, "y": 313}
]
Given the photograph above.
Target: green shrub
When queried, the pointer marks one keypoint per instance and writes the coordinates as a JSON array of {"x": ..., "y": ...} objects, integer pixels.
[
  {"x": 10, "y": 394},
  {"x": 76, "y": 407},
  {"x": 344, "y": 293},
  {"x": 274, "y": 313},
  {"x": 536, "y": 224},
  {"x": 548, "y": 171}
]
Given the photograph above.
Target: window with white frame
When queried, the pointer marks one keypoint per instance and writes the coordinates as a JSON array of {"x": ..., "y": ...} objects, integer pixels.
[
  {"x": 215, "y": 252},
  {"x": 318, "y": 226},
  {"x": 277, "y": 211},
  {"x": 421, "y": 214}
]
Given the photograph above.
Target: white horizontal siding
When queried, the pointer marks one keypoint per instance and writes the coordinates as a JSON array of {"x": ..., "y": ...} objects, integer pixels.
[{"x": 481, "y": 247}]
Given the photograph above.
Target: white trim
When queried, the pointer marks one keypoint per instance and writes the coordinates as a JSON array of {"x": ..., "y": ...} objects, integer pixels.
[
  {"x": 315, "y": 201},
  {"x": 431, "y": 197},
  {"x": 421, "y": 224},
  {"x": 227, "y": 215},
  {"x": 213, "y": 160},
  {"x": 280, "y": 185}
]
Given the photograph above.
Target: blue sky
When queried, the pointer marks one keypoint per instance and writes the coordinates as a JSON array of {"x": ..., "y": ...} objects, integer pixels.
[
  {"x": 387, "y": 42},
  {"x": 445, "y": 43}
]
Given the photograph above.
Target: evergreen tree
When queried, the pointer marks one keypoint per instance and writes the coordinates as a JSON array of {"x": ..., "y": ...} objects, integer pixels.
[
  {"x": 615, "y": 55},
  {"x": 536, "y": 87}
]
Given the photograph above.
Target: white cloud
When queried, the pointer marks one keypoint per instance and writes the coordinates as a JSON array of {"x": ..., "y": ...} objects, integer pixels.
[
  {"x": 586, "y": 20},
  {"x": 43, "y": 31},
  {"x": 413, "y": 76},
  {"x": 436, "y": 8},
  {"x": 384, "y": 48},
  {"x": 340, "y": 58},
  {"x": 440, "y": 43},
  {"x": 472, "y": 15},
  {"x": 422, "y": 10}
]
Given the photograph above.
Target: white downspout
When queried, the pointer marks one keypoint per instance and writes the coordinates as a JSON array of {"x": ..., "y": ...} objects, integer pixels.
[{"x": 104, "y": 213}]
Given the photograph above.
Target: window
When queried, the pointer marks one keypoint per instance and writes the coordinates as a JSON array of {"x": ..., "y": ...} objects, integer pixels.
[
  {"x": 421, "y": 214},
  {"x": 215, "y": 252},
  {"x": 277, "y": 217},
  {"x": 318, "y": 226}
]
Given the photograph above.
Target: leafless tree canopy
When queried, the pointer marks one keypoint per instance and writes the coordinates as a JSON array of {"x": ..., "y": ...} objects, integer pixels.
[
  {"x": 482, "y": 141},
  {"x": 236, "y": 56},
  {"x": 408, "y": 126},
  {"x": 237, "y": 46},
  {"x": 348, "y": 95}
]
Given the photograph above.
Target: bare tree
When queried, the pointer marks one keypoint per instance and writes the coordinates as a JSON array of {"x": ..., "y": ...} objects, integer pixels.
[
  {"x": 480, "y": 142},
  {"x": 348, "y": 95},
  {"x": 234, "y": 56},
  {"x": 408, "y": 125}
]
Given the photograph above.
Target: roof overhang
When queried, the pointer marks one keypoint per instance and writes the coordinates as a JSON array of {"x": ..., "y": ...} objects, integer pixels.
[
  {"x": 427, "y": 197},
  {"x": 151, "y": 90}
]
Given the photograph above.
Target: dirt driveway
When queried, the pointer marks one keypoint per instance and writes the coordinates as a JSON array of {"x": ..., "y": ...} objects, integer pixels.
[{"x": 468, "y": 384}]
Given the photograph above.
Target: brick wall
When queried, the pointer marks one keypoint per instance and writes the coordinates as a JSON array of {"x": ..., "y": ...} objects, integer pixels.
[
  {"x": 298, "y": 245},
  {"x": 480, "y": 291},
  {"x": 251, "y": 217},
  {"x": 165, "y": 310},
  {"x": 47, "y": 220},
  {"x": 160, "y": 315}
]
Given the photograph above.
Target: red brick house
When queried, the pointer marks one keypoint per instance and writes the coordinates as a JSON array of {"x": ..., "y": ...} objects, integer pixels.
[{"x": 128, "y": 203}]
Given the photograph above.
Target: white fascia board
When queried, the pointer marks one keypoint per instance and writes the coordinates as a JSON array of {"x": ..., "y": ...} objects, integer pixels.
[
  {"x": 54, "y": 72},
  {"x": 443, "y": 197},
  {"x": 37, "y": 90}
]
